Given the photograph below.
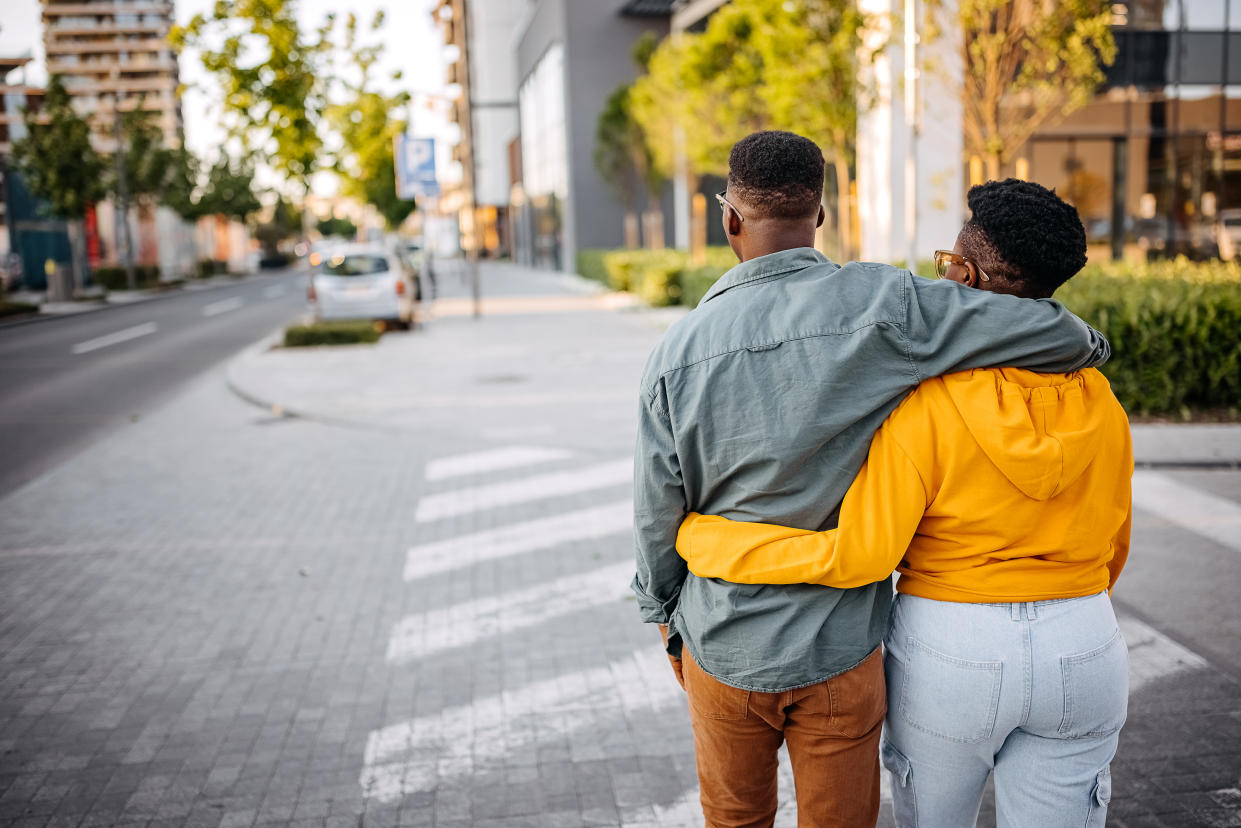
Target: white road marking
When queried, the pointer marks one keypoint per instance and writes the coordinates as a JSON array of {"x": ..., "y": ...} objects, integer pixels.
[
  {"x": 274, "y": 291},
  {"x": 223, "y": 306},
  {"x": 505, "y": 541},
  {"x": 1202, "y": 513},
  {"x": 487, "y": 461},
  {"x": 458, "y": 626},
  {"x": 479, "y": 498},
  {"x": 1152, "y": 655},
  {"x": 115, "y": 338},
  {"x": 414, "y": 755}
]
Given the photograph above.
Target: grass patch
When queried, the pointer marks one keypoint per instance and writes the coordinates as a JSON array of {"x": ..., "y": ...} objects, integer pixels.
[{"x": 337, "y": 332}]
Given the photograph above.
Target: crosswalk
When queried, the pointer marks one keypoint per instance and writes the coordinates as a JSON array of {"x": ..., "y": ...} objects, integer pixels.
[{"x": 419, "y": 754}]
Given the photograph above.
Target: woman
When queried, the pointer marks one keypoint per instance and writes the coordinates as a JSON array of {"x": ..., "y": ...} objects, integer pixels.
[{"x": 1002, "y": 497}]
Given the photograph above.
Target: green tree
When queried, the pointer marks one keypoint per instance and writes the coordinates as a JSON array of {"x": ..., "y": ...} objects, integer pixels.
[
  {"x": 364, "y": 120},
  {"x": 273, "y": 75},
  {"x": 285, "y": 222},
  {"x": 61, "y": 167},
  {"x": 229, "y": 191},
  {"x": 183, "y": 184},
  {"x": 333, "y": 226},
  {"x": 760, "y": 64},
  {"x": 1027, "y": 62}
]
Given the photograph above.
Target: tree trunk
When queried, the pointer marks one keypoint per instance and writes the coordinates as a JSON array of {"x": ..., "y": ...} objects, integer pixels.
[
  {"x": 993, "y": 166},
  {"x": 76, "y": 228},
  {"x": 632, "y": 237},
  {"x": 844, "y": 208}
]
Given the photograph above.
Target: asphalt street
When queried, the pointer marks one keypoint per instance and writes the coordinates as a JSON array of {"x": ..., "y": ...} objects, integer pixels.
[
  {"x": 415, "y": 612},
  {"x": 68, "y": 379}
]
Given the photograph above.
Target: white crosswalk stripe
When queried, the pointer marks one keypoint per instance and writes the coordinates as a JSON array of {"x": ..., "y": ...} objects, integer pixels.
[
  {"x": 514, "y": 539},
  {"x": 1203, "y": 513},
  {"x": 460, "y": 625},
  {"x": 542, "y": 487},
  {"x": 488, "y": 461}
]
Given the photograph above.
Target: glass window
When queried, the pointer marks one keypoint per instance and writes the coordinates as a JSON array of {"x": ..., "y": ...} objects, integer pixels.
[{"x": 355, "y": 265}]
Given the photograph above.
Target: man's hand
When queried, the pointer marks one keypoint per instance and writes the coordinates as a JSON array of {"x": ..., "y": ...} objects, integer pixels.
[{"x": 677, "y": 666}]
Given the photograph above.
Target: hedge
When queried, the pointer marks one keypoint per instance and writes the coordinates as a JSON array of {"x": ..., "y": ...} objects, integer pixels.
[
  {"x": 1175, "y": 329},
  {"x": 336, "y": 332},
  {"x": 114, "y": 278}
]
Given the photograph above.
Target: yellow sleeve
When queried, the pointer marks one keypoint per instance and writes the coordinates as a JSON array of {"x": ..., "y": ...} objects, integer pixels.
[{"x": 878, "y": 518}]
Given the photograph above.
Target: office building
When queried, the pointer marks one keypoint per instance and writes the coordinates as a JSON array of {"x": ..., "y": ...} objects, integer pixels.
[{"x": 571, "y": 55}]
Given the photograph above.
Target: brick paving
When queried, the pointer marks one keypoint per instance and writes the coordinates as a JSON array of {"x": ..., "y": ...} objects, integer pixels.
[{"x": 219, "y": 616}]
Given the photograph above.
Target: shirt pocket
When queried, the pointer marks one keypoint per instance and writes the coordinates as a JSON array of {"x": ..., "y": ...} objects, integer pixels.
[{"x": 949, "y": 697}]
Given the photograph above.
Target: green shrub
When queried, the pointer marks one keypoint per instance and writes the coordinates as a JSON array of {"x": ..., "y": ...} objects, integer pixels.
[
  {"x": 590, "y": 265},
  {"x": 114, "y": 278},
  {"x": 658, "y": 275},
  {"x": 8, "y": 308},
  {"x": 1175, "y": 329},
  {"x": 210, "y": 267},
  {"x": 696, "y": 281},
  {"x": 337, "y": 332}
]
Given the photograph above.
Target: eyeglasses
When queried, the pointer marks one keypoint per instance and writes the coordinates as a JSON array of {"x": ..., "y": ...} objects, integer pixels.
[
  {"x": 723, "y": 202},
  {"x": 946, "y": 258}
]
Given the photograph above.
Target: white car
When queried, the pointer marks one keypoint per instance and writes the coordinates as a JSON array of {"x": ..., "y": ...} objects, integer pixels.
[{"x": 356, "y": 281}]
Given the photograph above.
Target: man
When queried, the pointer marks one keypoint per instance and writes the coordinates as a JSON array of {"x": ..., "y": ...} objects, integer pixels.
[{"x": 760, "y": 406}]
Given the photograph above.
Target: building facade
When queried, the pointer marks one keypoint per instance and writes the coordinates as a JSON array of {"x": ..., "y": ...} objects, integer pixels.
[
  {"x": 115, "y": 55},
  {"x": 571, "y": 55}
]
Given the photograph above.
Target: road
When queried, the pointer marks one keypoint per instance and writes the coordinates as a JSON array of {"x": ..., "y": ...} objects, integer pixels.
[
  {"x": 67, "y": 380},
  {"x": 421, "y": 617}
]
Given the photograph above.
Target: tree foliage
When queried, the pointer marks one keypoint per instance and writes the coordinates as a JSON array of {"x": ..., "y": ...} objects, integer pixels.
[
  {"x": 623, "y": 153},
  {"x": 333, "y": 226},
  {"x": 229, "y": 189},
  {"x": 758, "y": 65},
  {"x": 365, "y": 122},
  {"x": 149, "y": 164},
  {"x": 56, "y": 157},
  {"x": 273, "y": 76},
  {"x": 1026, "y": 63}
]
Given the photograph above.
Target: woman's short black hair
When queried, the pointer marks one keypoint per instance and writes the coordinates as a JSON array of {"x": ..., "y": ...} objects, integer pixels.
[
  {"x": 777, "y": 174},
  {"x": 1035, "y": 237}
]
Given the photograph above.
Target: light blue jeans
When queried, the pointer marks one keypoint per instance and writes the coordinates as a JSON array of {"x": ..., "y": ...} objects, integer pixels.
[{"x": 1035, "y": 692}]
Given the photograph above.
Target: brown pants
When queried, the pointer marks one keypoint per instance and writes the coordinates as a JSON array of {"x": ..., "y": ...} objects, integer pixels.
[{"x": 832, "y": 729}]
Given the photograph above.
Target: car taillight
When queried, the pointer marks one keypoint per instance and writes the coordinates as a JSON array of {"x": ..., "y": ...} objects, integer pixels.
[{"x": 400, "y": 287}]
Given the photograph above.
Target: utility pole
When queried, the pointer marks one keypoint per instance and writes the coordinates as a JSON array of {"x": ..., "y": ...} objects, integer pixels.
[
  {"x": 122, "y": 186},
  {"x": 471, "y": 254}
]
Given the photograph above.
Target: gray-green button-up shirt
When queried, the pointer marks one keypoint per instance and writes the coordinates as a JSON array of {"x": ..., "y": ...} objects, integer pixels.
[{"x": 760, "y": 405}]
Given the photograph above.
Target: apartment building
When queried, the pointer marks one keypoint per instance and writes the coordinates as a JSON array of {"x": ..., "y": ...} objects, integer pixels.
[{"x": 115, "y": 54}]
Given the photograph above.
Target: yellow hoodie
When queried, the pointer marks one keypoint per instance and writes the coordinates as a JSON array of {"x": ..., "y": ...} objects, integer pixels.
[{"x": 992, "y": 485}]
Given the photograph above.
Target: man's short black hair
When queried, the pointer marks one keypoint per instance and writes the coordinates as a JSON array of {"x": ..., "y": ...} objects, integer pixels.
[
  {"x": 1035, "y": 239},
  {"x": 777, "y": 174}
]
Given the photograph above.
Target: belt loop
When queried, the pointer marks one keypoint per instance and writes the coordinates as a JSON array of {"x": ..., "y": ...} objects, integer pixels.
[
  {"x": 1032, "y": 610},
  {"x": 1015, "y": 609}
]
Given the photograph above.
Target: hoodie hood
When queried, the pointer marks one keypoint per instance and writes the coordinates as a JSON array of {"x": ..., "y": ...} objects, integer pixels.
[{"x": 1040, "y": 430}]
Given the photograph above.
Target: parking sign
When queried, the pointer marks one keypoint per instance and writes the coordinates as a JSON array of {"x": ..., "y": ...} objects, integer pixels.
[{"x": 415, "y": 167}]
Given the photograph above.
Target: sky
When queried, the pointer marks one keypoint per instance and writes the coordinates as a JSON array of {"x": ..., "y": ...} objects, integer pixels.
[{"x": 412, "y": 41}]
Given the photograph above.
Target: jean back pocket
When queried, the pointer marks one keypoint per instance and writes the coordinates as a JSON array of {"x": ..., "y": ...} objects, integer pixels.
[
  {"x": 949, "y": 697},
  {"x": 1096, "y": 690}
]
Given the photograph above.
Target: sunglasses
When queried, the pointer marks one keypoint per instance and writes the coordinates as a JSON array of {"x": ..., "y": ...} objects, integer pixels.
[
  {"x": 945, "y": 259},
  {"x": 723, "y": 202}
]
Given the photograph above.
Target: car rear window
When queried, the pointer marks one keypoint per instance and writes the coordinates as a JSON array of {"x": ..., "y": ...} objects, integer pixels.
[{"x": 357, "y": 265}]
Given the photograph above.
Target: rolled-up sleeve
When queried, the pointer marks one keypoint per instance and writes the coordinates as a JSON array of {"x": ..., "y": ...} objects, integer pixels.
[{"x": 658, "y": 509}]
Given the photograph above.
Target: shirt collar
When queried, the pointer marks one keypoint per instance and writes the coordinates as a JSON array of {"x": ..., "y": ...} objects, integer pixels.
[{"x": 766, "y": 267}]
